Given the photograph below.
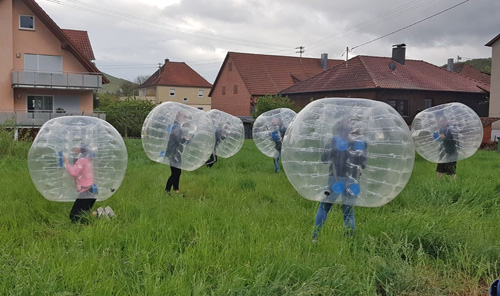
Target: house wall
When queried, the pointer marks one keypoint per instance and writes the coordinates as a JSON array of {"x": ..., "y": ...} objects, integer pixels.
[
  {"x": 69, "y": 100},
  {"x": 495, "y": 88},
  {"x": 182, "y": 93},
  {"x": 416, "y": 99},
  {"x": 7, "y": 52},
  {"x": 38, "y": 41},
  {"x": 235, "y": 104}
]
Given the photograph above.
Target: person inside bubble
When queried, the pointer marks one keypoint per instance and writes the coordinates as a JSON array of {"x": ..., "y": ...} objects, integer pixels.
[
  {"x": 82, "y": 172},
  {"x": 346, "y": 154},
  {"x": 277, "y": 136},
  {"x": 176, "y": 141},
  {"x": 448, "y": 149},
  {"x": 220, "y": 135}
]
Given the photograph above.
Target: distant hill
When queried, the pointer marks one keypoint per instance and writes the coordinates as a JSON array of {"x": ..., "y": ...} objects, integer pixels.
[
  {"x": 113, "y": 86},
  {"x": 483, "y": 65}
]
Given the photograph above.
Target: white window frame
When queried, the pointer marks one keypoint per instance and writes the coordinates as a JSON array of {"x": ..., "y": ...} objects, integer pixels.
[
  {"x": 201, "y": 108},
  {"x": 201, "y": 93},
  {"x": 185, "y": 100},
  {"x": 23, "y": 28},
  {"x": 172, "y": 92}
]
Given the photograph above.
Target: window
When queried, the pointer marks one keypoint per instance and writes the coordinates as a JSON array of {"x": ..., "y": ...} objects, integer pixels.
[
  {"x": 223, "y": 90},
  {"x": 428, "y": 103},
  {"x": 172, "y": 92},
  {"x": 200, "y": 108},
  {"x": 185, "y": 99},
  {"x": 40, "y": 103},
  {"x": 26, "y": 22},
  {"x": 200, "y": 93},
  {"x": 400, "y": 105},
  {"x": 43, "y": 63},
  {"x": 235, "y": 89},
  {"x": 230, "y": 66}
]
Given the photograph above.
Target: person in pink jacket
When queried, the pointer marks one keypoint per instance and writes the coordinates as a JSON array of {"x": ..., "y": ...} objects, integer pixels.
[{"x": 83, "y": 174}]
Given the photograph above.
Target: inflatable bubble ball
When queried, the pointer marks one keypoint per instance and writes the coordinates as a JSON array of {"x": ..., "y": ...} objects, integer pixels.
[
  {"x": 348, "y": 151},
  {"x": 269, "y": 129},
  {"x": 77, "y": 140},
  {"x": 447, "y": 133},
  {"x": 229, "y": 133},
  {"x": 178, "y": 135}
]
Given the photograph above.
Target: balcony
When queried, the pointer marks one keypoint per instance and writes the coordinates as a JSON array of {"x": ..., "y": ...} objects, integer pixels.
[
  {"x": 58, "y": 80},
  {"x": 25, "y": 119}
]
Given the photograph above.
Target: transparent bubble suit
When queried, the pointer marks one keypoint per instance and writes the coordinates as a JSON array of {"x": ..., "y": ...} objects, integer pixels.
[
  {"x": 263, "y": 128},
  {"x": 229, "y": 133},
  {"x": 60, "y": 136},
  {"x": 378, "y": 133},
  {"x": 190, "y": 128},
  {"x": 447, "y": 133}
]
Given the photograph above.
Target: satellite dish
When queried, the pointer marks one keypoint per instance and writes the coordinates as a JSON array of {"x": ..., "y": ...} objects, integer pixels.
[{"x": 392, "y": 66}]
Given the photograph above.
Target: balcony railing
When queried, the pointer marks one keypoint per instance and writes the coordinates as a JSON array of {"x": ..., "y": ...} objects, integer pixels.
[
  {"x": 62, "y": 80},
  {"x": 23, "y": 118}
]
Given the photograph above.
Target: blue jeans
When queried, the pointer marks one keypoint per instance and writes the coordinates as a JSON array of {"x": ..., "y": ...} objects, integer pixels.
[
  {"x": 347, "y": 210},
  {"x": 277, "y": 155}
]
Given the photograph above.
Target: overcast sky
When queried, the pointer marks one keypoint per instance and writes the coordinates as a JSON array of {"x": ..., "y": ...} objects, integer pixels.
[{"x": 130, "y": 37}]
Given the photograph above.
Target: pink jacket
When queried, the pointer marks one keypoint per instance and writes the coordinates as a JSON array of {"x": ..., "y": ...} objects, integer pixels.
[{"x": 82, "y": 173}]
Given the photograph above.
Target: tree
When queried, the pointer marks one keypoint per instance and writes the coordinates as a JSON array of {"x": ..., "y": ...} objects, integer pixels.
[
  {"x": 270, "y": 102},
  {"x": 141, "y": 79},
  {"x": 126, "y": 116},
  {"x": 127, "y": 88}
]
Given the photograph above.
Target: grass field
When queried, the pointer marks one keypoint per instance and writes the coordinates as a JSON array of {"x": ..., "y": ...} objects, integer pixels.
[{"x": 241, "y": 229}]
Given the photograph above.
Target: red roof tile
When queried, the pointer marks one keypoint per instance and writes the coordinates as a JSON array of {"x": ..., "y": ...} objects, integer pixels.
[
  {"x": 81, "y": 40},
  {"x": 176, "y": 74},
  {"x": 268, "y": 74},
  {"x": 367, "y": 72},
  {"x": 488, "y": 120}
]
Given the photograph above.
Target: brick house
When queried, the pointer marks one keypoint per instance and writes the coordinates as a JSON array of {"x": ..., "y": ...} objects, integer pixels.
[
  {"x": 409, "y": 86},
  {"x": 244, "y": 77},
  {"x": 45, "y": 71},
  {"x": 177, "y": 82}
]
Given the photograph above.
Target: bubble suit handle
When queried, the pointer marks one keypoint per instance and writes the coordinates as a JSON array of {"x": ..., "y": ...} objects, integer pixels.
[{"x": 350, "y": 151}]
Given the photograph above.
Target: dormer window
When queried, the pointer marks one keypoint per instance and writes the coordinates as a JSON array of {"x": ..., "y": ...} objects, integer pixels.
[{"x": 26, "y": 22}]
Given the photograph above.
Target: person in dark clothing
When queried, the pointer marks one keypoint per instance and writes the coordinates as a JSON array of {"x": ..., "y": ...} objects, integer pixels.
[
  {"x": 277, "y": 136},
  {"x": 448, "y": 150},
  {"x": 347, "y": 158},
  {"x": 175, "y": 147},
  {"x": 220, "y": 135}
]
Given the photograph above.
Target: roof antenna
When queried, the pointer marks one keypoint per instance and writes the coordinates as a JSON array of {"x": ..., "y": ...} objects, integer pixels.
[{"x": 300, "y": 51}]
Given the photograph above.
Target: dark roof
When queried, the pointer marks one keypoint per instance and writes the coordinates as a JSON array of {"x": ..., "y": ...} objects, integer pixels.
[
  {"x": 268, "y": 74},
  {"x": 66, "y": 42},
  {"x": 176, "y": 74},
  {"x": 81, "y": 40},
  {"x": 369, "y": 72},
  {"x": 492, "y": 41}
]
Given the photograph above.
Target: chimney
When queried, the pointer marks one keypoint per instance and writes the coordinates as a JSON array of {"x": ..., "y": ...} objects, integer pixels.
[
  {"x": 166, "y": 61},
  {"x": 324, "y": 61},
  {"x": 399, "y": 52},
  {"x": 449, "y": 67}
]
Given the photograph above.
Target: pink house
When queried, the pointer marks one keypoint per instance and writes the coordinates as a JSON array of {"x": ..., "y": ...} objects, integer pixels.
[{"x": 44, "y": 71}]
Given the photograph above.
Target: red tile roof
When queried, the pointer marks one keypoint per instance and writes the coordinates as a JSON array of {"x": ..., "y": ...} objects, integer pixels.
[
  {"x": 471, "y": 72},
  {"x": 488, "y": 120},
  {"x": 268, "y": 74},
  {"x": 176, "y": 74},
  {"x": 368, "y": 72},
  {"x": 81, "y": 40}
]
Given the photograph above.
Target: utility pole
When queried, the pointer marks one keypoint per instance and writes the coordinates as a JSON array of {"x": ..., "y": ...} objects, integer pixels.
[
  {"x": 300, "y": 51},
  {"x": 346, "y": 55}
]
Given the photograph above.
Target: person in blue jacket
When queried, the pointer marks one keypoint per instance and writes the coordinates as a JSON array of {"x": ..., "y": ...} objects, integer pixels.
[
  {"x": 347, "y": 158},
  {"x": 277, "y": 136},
  {"x": 175, "y": 146}
]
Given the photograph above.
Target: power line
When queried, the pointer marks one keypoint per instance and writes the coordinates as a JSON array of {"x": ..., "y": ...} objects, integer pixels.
[
  {"x": 79, "y": 5},
  {"x": 411, "y": 25}
]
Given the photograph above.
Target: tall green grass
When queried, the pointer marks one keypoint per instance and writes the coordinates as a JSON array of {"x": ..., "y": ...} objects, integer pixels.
[{"x": 241, "y": 229}]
